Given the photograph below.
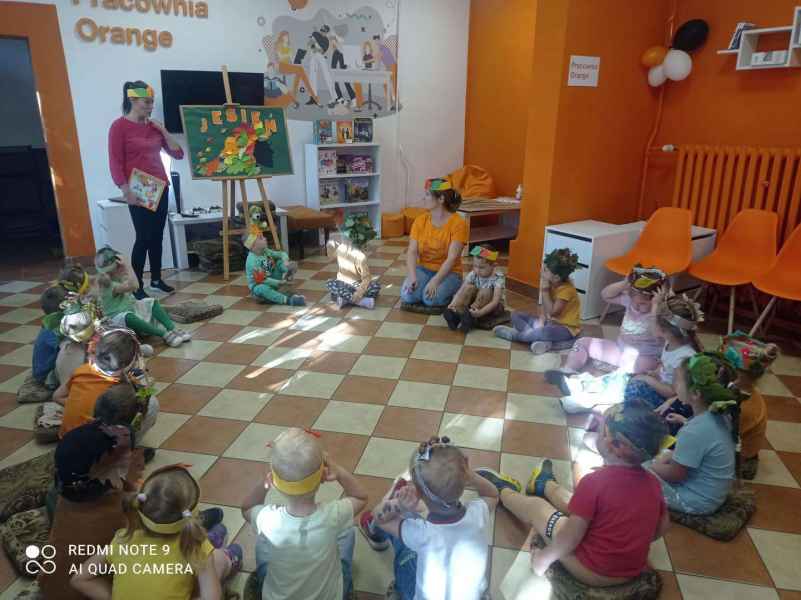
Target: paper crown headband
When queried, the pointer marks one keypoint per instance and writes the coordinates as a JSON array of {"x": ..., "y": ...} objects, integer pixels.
[
  {"x": 187, "y": 514},
  {"x": 747, "y": 353},
  {"x": 106, "y": 259},
  {"x": 254, "y": 232},
  {"x": 646, "y": 280},
  {"x": 678, "y": 321},
  {"x": 562, "y": 262},
  {"x": 438, "y": 184},
  {"x": 302, "y": 486},
  {"x": 75, "y": 288},
  {"x": 485, "y": 253},
  {"x": 145, "y": 92}
]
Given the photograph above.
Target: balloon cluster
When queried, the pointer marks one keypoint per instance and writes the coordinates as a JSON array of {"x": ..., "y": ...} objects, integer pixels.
[{"x": 675, "y": 63}]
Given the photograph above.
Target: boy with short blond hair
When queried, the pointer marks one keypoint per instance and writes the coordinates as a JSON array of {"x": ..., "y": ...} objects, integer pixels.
[{"x": 304, "y": 549}]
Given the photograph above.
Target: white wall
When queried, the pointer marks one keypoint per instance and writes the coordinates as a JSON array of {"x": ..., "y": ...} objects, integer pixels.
[
  {"x": 21, "y": 123},
  {"x": 432, "y": 81}
]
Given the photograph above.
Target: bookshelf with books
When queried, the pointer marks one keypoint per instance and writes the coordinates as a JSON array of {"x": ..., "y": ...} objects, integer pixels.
[{"x": 345, "y": 178}]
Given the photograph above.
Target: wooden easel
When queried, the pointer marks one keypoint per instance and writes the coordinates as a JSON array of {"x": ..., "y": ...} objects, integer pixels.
[{"x": 229, "y": 199}]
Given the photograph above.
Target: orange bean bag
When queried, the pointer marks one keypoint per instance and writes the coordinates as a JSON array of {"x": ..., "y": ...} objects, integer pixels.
[
  {"x": 410, "y": 213},
  {"x": 472, "y": 181}
]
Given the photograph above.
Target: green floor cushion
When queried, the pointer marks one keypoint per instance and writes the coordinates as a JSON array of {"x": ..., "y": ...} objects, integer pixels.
[
  {"x": 31, "y": 527},
  {"x": 190, "y": 312},
  {"x": 24, "y": 486},
  {"x": 726, "y": 522},
  {"x": 566, "y": 587},
  {"x": 33, "y": 391},
  {"x": 47, "y": 426},
  {"x": 422, "y": 308}
]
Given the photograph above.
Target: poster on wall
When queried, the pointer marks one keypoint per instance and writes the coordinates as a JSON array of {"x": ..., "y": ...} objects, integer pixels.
[
  {"x": 336, "y": 62},
  {"x": 236, "y": 142}
]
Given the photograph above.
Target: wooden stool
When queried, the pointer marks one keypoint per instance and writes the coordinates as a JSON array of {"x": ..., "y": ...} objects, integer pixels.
[{"x": 301, "y": 218}]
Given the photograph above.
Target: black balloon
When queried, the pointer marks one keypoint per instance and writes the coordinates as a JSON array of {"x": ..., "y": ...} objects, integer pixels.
[{"x": 691, "y": 35}]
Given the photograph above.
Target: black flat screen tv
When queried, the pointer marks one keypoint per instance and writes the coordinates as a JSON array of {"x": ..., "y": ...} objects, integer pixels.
[{"x": 206, "y": 87}]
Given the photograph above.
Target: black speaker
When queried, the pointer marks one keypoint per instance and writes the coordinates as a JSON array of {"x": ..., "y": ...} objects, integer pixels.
[{"x": 176, "y": 189}]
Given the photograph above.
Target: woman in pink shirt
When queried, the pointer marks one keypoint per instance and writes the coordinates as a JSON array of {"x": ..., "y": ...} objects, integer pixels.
[{"x": 135, "y": 141}]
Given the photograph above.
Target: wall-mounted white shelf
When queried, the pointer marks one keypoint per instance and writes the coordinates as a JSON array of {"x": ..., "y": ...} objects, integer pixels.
[
  {"x": 351, "y": 145},
  {"x": 749, "y": 43},
  {"x": 350, "y": 204},
  {"x": 347, "y": 175}
]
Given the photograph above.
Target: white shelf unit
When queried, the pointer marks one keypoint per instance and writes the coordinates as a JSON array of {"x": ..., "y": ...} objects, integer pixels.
[
  {"x": 749, "y": 43},
  {"x": 313, "y": 178}
]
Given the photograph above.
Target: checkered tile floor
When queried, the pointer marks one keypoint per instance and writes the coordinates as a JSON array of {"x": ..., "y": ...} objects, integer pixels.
[{"x": 374, "y": 383}]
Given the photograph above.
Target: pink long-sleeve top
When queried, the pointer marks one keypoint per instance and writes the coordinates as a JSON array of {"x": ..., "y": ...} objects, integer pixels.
[{"x": 136, "y": 146}]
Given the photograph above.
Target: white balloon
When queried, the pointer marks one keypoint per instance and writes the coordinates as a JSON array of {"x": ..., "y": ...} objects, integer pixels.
[
  {"x": 656, "y": 76},
  {"x": 677, "y": 64}
]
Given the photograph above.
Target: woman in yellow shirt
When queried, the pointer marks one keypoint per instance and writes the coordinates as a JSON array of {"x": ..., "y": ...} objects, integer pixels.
[
  {"x": 434, "y": 256},
  {"x": 560, "y": 320}
]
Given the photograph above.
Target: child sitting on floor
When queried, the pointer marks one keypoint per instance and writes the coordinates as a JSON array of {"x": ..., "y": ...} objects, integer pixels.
[
  {"x": 354, "y": 284},
  {"x": 752, "y": 358},
  {"x": 304, "y": 549},
  {"x": 46, "y": 346},
  {"x": 74, "y": 278},
  {"x": 697, "y": 475},
  {"x": 675, "y": 319},
  {"x": 267, "y": 269},
  {"x": 483, "y": 292},
  {"x": 560, "y": 321},
  {"x": 445, "y": 555},
  {"x": 146, "y": 317},
  {"x": 116, "y": 358},
  {"x": 163, "y": 513},
  {"x": 601, "y": 534}
]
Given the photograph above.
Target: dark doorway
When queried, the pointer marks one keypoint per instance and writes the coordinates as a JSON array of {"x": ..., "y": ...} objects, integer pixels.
[{"x": 29, "y": 230}]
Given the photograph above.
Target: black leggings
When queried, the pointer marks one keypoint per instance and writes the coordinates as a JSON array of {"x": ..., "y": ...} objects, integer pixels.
[{"x": 149, "y": 227}]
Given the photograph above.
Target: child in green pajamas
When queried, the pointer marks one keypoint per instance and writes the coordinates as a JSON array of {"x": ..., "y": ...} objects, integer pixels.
[
  {"x": 146, "y": 317},
  {"x": 267, "y": 269}
]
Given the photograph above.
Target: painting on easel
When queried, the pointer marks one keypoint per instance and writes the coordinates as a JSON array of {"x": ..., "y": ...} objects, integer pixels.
[{"x": 236, "y": 142}]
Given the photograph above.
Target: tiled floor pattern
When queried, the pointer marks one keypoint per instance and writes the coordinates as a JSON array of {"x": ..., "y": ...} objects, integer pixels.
[{"x": 374, "y": 383}]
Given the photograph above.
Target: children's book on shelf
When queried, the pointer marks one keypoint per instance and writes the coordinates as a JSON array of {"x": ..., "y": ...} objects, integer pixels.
[
  {"x": 147, "y": 189},
  {"x": 363, "y": 129},
  {"x": 324, "y": 131},
  {"x": 345, "y": 132},
  {"x": 737, "y": 36},
  {"x": 329, "y": 193},
  {"x": 358, "y": 189},
  {"x": 342, "y": 164},
  {"x": 328, "y": 162},
  {"x": 358, "y": 163}
]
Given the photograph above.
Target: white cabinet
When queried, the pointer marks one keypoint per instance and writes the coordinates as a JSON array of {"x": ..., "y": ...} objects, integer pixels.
[
  {"x": 372, "y": 205},
  {"x": 118, "y": 232},
  {"x": 596, "y": 242}
]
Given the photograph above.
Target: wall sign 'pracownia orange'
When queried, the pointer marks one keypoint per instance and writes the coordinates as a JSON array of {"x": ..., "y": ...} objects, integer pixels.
[{"x": 150, "y": 39}]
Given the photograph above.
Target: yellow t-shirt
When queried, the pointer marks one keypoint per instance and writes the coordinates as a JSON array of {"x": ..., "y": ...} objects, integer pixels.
[
  {"x": 158, "y": 570},
  {"x": 433, "y": 242},
  {"x": 570, "y": 316}
]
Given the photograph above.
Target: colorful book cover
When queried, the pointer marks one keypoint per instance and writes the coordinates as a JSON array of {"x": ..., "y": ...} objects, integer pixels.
[
  {"x": 363, "y": 129},
  {"x": 324, "y": 131},
  {"x": 358, "y": 190},
  {"x": 328, "y": 162},
  {"x": 329, "y": 193},
  {"x": 344, "y": 132},
  {"x": 147, "y": 189}
]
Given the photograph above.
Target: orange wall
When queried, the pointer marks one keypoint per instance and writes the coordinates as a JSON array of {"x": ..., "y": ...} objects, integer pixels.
[
  {"x": 719, "y": 105},
  {"x": 39, "y": 24},
  {"x": 498, "y": 74},
  {"x": 584, "y": 145}
]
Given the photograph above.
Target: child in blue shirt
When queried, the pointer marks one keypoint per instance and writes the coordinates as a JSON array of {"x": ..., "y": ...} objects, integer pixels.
[
  {"x": 697, "y": 476},
  {"x": 45, "y": 348}
]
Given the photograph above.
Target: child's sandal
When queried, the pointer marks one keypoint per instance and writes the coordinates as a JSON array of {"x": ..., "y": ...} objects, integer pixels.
[{"x": 539, "y": 478}]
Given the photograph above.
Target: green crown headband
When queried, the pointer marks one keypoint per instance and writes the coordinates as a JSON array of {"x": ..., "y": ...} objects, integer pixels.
[
  {"x": 438, "y": 184},
  {"x": 562, "y": 262},
  {"x": 145, "y": 92},
  {"x": 485, "y": 253},
  {"x": 704, "y": 370}
]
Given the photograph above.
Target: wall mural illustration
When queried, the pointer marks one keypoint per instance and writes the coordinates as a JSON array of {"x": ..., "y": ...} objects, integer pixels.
[{"x": 331, "y": 65}]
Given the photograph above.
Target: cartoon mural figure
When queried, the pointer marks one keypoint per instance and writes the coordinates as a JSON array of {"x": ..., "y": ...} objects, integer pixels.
[{"x": 332, "y": 65}]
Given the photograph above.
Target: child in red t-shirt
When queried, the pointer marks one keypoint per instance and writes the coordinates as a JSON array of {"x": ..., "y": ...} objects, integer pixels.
[{"x": 602, "y": 533}]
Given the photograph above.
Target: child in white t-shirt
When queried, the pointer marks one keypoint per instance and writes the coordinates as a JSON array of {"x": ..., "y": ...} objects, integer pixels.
[
  {"x": 482, "y": 294},
  {"x": 445, "y": 555},
  {"x": 304, "y": 549}
]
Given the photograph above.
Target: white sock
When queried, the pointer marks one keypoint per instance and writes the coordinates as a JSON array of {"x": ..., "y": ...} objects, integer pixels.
[{"x": 366, "y": 302}]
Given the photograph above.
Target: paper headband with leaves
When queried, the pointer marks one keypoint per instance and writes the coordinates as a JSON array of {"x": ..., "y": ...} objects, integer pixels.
[
  {"x": 485, "y": 253},
  {"x": 646, "y": 280},
  {"x": 562, "y": 262},
  {"x": 686, "y": 324},
  {"x": 438, "y": 184},
  {"x": 145, "y": 92},
  {"x": 747, "y": 353},
  {"x": 706, "y": 370}
]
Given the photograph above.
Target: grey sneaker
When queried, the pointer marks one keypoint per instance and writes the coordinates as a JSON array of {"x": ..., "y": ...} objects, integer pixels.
[
  {"x": 184, "y": 335},
  {"x": 172, "y": 339},
  {"x": 506, "y": 333},
  {"x": 147, "y": 350},
  {"x": 541, "y": 347}
]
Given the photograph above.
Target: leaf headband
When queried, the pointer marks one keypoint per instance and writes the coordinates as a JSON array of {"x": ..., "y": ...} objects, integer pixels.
[
  {"x": 704, "y": 371},
  {"x": 747, "y": 353},
  {"x": 438, "y": 184},
  {"x": 562, "y": 262},
  {"x": 187, "y": 514},
  {"x": 678, "y": 321},
  {"x": 145, "y": 92},
  {"x": 646, "y": 280},
  {"x": 485, "y": 253}
]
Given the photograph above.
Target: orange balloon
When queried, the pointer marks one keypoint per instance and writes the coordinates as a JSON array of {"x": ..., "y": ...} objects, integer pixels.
[{"x": 654, "y": 56}]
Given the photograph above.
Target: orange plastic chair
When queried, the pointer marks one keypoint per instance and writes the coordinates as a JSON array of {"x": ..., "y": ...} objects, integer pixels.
[
  {"x": 784, "y": 279},
  {"x": 665, "y": 243},
  {"x": 745, "y": 251}
]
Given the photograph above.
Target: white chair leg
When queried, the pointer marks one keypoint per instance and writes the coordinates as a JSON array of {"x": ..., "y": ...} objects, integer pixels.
[
  {"x": 732, "y": 301},
  {"x": 764, "y": 314}
]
